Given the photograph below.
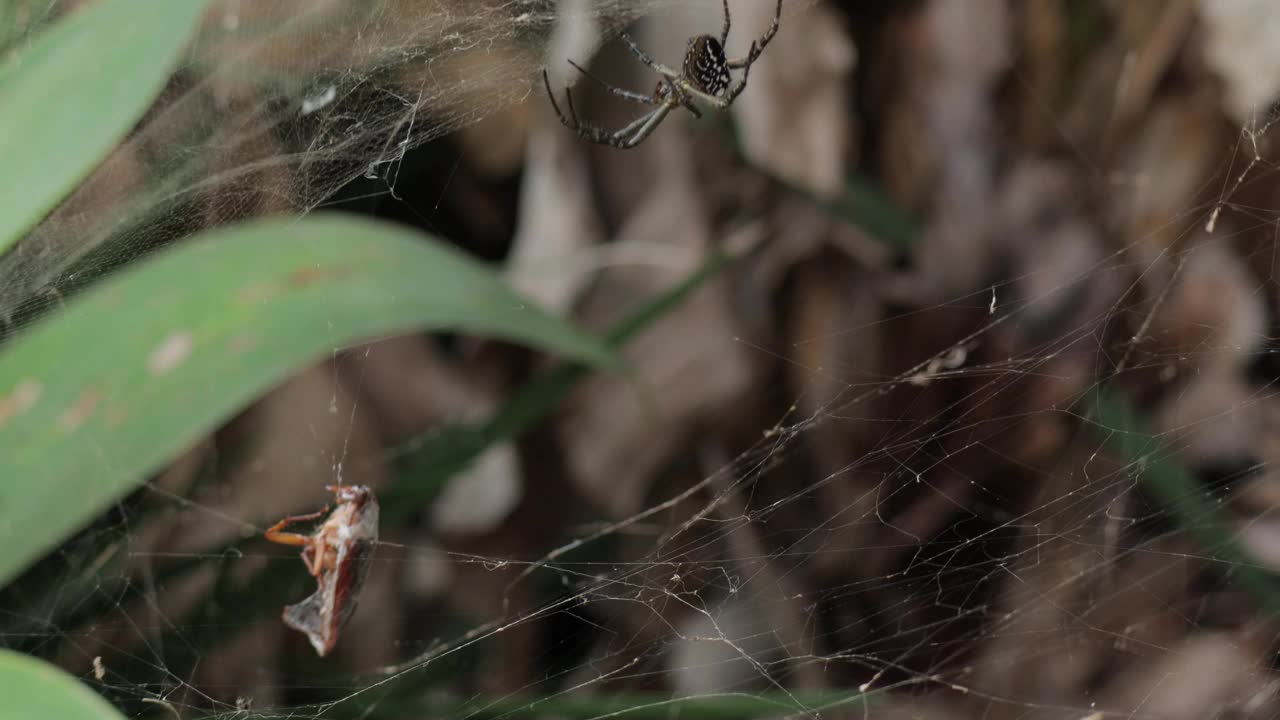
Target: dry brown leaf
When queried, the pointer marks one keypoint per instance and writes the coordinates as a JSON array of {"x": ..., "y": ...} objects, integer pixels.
[
  {"x": 939, "y": 154},
  {"x": 550, "y": 261},
  {"x": 1242, "y": 44},
  {"x": 794, "y": 119},
  {"x": 1213, "y": 321},
  {"x": 1206, "y": 676}
]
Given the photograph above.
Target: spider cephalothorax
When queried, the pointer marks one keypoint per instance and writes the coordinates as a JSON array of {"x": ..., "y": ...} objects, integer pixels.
[{"x": 705, "y": 76}]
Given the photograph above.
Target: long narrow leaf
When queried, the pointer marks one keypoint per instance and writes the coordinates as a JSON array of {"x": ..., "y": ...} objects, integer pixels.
[
  {"x": 134, "y": 370},
  {"x": 33, "y": 688},
  {"x": 74, "y": 92}
]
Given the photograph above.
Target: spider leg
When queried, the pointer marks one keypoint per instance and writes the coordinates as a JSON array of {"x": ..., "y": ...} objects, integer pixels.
[
  {"x": 633, "y": 134},
  {"x": 573, "y": 112},
  {"x": 741, "y": 85},
  {"x": 724, "y": 34},
  {"x": 720, "y": 102},
  {"x": 556, "y": 106},
  {"x": 653, "y": 64},
  {"x": 673, "y": 92},
  {"x": 686, "y": 101},
  {"x": 622, "y": 139},
  {"x": 643, "y": 127},
  {"x": 759, "y": 46},
  {"x": 682, "y": 99},
  {"x": 599, "y": 135},
  {"x": 625, "y": 94}
]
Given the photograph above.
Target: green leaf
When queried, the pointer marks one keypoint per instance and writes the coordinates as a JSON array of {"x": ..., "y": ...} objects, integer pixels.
[
  {"x": 70, "y": 96},
  {"x": 33, "y": 688},
  {"x": 139, "y": 367}
]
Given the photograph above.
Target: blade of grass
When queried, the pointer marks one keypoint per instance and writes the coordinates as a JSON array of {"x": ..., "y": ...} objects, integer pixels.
[
  {"x": 135, "y": 369},
  {"x": 33, "y": 688},
  {"x": 861, "y": 202},
  {"x": 1173, "y": 486},
  {"x": 74, "y": 92}
]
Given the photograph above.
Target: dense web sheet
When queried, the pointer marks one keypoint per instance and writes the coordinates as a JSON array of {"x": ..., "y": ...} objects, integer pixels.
[
  {"x": 282, "y": 103},
  {"x": 917, "y": 508}
]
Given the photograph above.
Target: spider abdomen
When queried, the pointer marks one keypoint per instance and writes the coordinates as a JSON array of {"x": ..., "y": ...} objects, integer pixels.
[{"x": 705, "y": 65}]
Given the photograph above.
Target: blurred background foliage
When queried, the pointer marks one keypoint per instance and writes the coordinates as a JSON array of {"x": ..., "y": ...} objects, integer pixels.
[{"x": 946, "y": 358}]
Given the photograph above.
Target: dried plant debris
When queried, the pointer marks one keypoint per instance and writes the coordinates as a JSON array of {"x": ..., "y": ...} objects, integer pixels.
[
  {"x": 795, "y": 122},
  {"x": 687, "y": 366},
  {"x": 1239, "y": 43}
]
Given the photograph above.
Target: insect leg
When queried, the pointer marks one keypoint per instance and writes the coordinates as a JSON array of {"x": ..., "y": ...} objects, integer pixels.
[{"x": 275, "y": 534}]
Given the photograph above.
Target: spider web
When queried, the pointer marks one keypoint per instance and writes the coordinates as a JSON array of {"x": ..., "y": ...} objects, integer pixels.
[
  {"x": 279, "y": 106},
  {"x": 915, "y": 510}
]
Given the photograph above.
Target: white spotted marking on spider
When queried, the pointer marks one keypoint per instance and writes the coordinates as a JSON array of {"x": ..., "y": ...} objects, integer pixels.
[{"x": 704, "y": 76}]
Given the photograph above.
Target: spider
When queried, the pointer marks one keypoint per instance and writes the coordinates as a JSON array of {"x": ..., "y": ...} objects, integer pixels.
[
  {"x": 337, "y": 554},
  {"x": 705, "y": 76}
]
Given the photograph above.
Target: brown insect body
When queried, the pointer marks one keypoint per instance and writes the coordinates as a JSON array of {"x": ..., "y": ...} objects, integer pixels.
[{"x": 337, "y": 554}]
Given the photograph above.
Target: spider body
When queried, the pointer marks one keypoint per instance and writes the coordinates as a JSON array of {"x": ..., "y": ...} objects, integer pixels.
[
  {"x": 706, "y": 67},
  {"x": 705, "y": 76},
  {"x": 337, "y": 554}
]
